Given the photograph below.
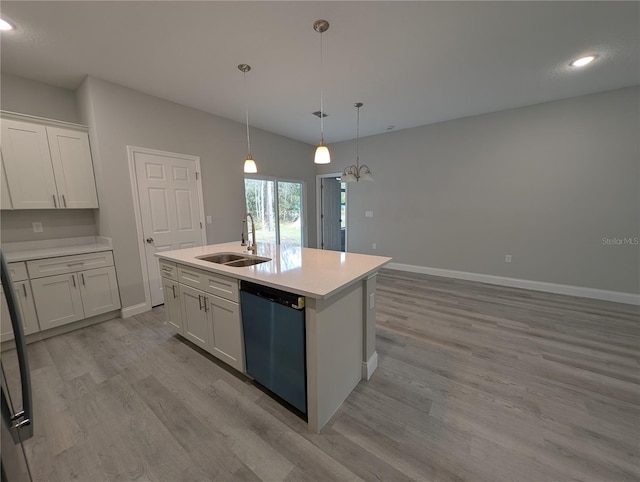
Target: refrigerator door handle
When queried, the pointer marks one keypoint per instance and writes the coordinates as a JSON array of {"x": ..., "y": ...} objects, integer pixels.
[{"x": 24, "y": 417}]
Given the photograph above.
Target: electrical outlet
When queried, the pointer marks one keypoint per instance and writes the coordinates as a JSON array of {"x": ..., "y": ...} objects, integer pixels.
[
  {"x": 368, "y": 214},
  {"x": 209, "y": 221},
  {"x": 374, "y": 246},
  {"x": 37, "y": 227},
  {"x": 507, "y": 258}
]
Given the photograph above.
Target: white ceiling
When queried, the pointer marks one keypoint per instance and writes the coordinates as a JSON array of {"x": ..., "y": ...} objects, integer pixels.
[{"x": 411, "y": 63}]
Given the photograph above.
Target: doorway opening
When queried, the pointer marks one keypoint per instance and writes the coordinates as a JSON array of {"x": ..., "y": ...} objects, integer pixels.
[{"x": 332, "y": 212}]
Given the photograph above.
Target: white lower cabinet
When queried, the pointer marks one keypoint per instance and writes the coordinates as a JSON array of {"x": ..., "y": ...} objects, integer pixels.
[
  {"x": 24, "y": 297},
  {"x": 172, "y": 308},
  {"x": 99, "y": 291},
  {"x": 197, "y": 322},
  {"x": 227, "y": 331},
  {"x": 66, "y": 298},
  {"x": 209, "y": 317},
  {"x": 57, "y": 300}
]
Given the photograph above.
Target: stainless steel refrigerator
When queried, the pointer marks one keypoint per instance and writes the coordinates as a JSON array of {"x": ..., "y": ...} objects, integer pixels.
[{"x": 16, "y": 403}]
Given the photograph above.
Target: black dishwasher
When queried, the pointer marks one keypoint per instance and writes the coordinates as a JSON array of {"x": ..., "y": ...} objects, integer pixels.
[{"x": 275, "y": 342}]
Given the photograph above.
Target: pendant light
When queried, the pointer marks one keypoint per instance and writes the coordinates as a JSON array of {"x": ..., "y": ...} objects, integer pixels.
[
  {"x": 355, "y": 172},
  {"x": 249, "y": 164},
  {"x": 322, "y": 155}
]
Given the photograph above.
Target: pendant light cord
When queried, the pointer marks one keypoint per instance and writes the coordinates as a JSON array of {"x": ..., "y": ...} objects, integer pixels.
[
  {"x": 321, "y": 95},
  {"x": 357, "y": 142},
  {"x": 246, "y": 111}
]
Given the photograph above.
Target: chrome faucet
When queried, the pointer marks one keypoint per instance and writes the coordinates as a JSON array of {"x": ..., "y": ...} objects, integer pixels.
[{"x": 252, "y": 246}]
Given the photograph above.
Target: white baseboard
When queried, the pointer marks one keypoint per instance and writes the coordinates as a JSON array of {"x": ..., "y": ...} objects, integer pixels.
[
  {"x": 597, "y": 294},
  {"x": 134, "y": 310},
  {"x": 370, "y": 366}
]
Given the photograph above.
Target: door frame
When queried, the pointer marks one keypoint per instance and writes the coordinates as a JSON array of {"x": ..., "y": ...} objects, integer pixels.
[
  {"x": 319, "y": 233},
  {"x": 131, "y": 152}
]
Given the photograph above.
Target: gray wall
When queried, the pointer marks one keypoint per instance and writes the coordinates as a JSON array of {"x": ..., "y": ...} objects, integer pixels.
[
  {"x": 56, "y": 224},
  {"x": 35, "y": 98},
  {"x": 543, "y": 183},
  {"x": 118, "y": 116}
]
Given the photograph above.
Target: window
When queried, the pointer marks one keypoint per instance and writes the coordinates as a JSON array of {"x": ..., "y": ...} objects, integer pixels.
[{"x": 277, "y": 207}]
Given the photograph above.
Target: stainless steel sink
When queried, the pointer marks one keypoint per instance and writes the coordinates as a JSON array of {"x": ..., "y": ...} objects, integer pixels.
[
  {"x": 221, "y": 258},
  {"x": 232, "y": 259},
  {"x": 246, "y": 262}
]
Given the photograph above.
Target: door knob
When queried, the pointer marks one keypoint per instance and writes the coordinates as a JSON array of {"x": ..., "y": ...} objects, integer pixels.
[{"x": 149, "y": 240}]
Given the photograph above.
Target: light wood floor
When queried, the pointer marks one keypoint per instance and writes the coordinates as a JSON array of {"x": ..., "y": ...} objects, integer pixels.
[{"x": 475, "y": 382}]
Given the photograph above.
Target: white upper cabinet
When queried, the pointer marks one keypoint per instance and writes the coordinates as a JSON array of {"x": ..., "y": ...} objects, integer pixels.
[
  {"x": 5, "y": 198},
  {"x": 47, "y": 167},
  {"x": 27, "y": 162},
  {"x": 72, "y": 166}
]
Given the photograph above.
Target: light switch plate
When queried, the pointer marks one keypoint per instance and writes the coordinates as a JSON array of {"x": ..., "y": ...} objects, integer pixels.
[
  {"x": 368, "y": 214},
  {"x": 209, "y": 221},
  {"x": 37, "y": 227}
]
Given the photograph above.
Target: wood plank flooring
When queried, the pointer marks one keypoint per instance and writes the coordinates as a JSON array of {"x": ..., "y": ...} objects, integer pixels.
[{"x": 475, "y": 382}]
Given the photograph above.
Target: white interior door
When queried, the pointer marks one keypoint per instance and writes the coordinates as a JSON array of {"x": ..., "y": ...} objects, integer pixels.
[
  {"x": 331, "y": 234},
  {"x": 170, "y": 209}
]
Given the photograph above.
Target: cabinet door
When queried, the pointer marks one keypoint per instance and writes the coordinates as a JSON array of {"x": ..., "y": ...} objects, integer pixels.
[
  {"x": 99, "y": 290},
  {"x": 73, "y": 169},
  {"x": 57, "y": 300},
  {"x": 27, "y": 311},
  {"x": 5, "y": 197},
  {"x": 172, "y": 308},
  {"x": 27, "y": 163},
  {"x": 197, "y": 324},
  {"x": 227, "y": 331}
]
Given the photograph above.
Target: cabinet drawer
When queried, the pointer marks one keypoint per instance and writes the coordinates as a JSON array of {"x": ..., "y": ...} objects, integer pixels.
[
  {"x": 222, "y": 286},
  {"x": 18, "y": 271},
  {"x": 40, "y": 268},
  {"x": 214, "y": 284},
  {"x": 168, "y": 269}
]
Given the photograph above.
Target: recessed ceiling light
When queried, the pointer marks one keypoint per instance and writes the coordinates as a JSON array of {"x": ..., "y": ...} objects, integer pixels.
[
  {"x": 582, "y": 61},
  {"x": 4, "y": 25}
]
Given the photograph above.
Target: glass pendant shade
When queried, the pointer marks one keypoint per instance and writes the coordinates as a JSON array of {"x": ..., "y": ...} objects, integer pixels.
[
  {"x": 349, "y": 177},
  {"x": 367, "y": 176},
  {"x": 322, "y": 155},
  {"x": 250, "y": 166}
]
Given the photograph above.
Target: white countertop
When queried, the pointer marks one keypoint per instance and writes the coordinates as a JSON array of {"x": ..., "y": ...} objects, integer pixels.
[
  {"x": 310, "y": 272},
  {"x": 26, "y": 251}
]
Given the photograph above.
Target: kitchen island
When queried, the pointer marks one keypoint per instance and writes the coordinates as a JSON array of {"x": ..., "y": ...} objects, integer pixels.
[{"x": 339, "y": 309}]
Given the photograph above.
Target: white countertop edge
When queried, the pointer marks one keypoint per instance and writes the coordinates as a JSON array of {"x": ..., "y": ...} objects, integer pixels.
[{"x": 27, "y": 251}]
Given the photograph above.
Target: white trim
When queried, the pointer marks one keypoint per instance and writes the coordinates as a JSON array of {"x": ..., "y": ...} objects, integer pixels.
[
  {"x": 370, "y": 366},
  {"x": 131, "y": 151},
  {"x": 134, "y": 310},
  {"x": 581, "y": 291},
  {"x": 7, "y": 114}
]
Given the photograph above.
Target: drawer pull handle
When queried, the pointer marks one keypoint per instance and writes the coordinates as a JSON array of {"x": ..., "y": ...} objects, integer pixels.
[
  {"x": 64, "y": 201},
  {"x": 206, "y": 308},
  {"x": 200, "y": 301},
  {"x": 24, "y": 288},
  {"x": 55, "y": 203},
  {"x": 82, "y": 277},
  {"x": 73, "y": 278},
  {"x": 173, "y": 287}
]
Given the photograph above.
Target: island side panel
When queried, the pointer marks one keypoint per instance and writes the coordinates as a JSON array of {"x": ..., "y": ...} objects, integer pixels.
[
  {"x": 369, "y": 353},
  {"x": 334, "y": 352}
]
